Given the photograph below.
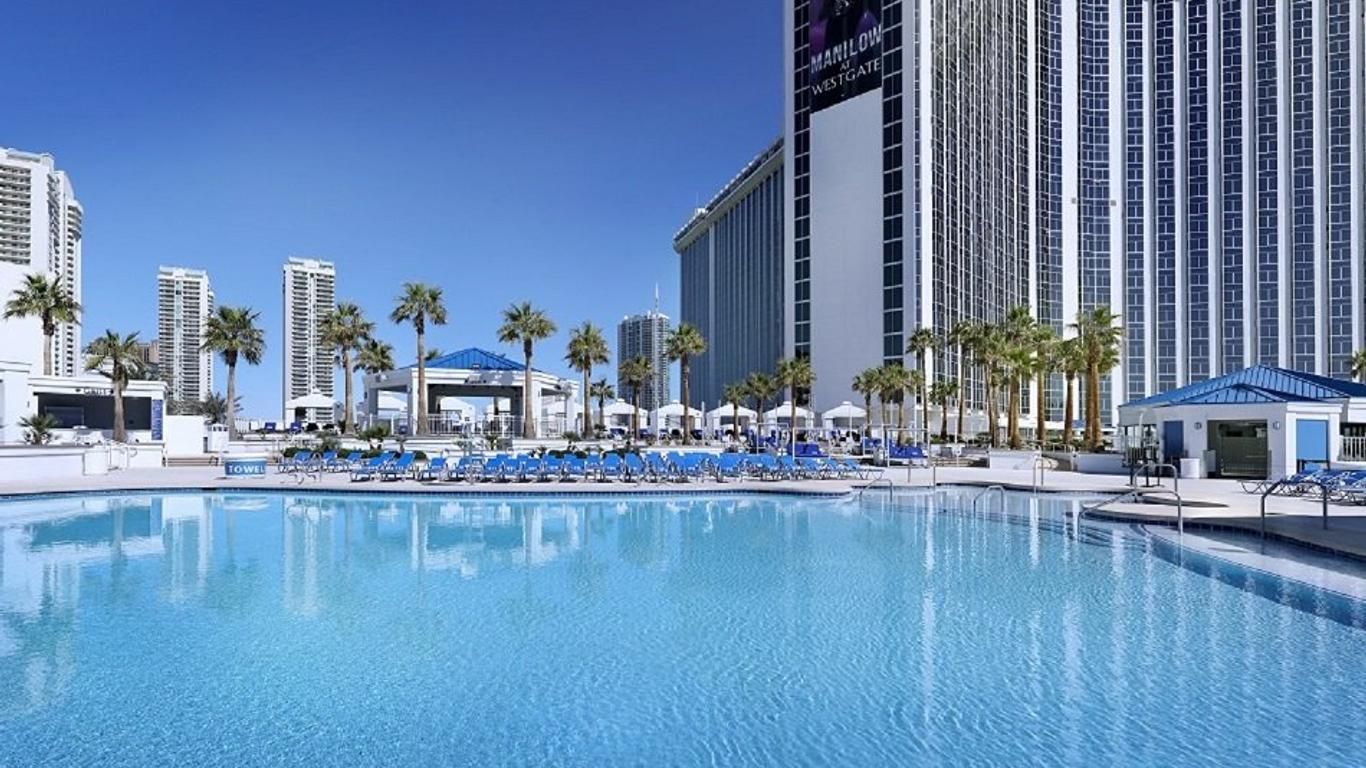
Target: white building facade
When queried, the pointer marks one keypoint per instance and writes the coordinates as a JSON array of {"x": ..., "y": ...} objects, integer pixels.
[
  {"x": 184, "y": 304},
  {"x": 310, "y": 294},
  {"x": 40, "y": 232},
  {"x": 1198, "y": 166}
]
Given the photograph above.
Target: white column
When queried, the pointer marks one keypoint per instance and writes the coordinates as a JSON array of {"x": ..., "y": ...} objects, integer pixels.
[
  {"x": 1250, "y": 330},
  {"x": 1071, "y": 155},
  {"x": 1285, "y": 235},
  {"x": 1321, "y": 310},
  {"x": 1358, "y": 123},
  {"x": 1179, "y": 131}
]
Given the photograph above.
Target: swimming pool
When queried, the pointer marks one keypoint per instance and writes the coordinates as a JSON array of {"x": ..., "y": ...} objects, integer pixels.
[{"x": 239, "y": 629}]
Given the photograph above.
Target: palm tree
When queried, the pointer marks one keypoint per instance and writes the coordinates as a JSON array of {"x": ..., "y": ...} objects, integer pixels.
[
  {"x": 865, "y": 383},
  {"x": 761, "y": 387},
  {"x": 528, "y": 325},
  {"x": 118, "y": 359},
  {"x": 1359, "y": 365},
  {"x": 942, "y": 392},
  {"x": 893, "y": 379},
  {"x": 733, "y": 394},
  {"x": 232, "y": 333},
  {"x": 961, "y": 336},
  {"x": 1045, "y": 344},
  {"x": 1099, "y": 335},
  {"x": 795, "y": 373},
  {"x": 345, "y": 329},
  {"x": 636, "y": 373},
  {"x": 602, "y": 390},
  {"x": 433, "y": 353},
  {"x": 420, "y": 304},
  {"x": 988, "y": 353},
  {"x": 49, "y": 301},
  {"x": 684, "y": 343},
  {"x": 587, "y": 347},
  {"x": 1070, "y": 360},
  {"x": 1019, "y": 329},
  {"x": 40, "y": 427},
  {"x": 923, "y": 341},
  {"x": 375, "y": 356},
  {"x": 214, "y": 408},
  {"x": 915, "y": 384}
]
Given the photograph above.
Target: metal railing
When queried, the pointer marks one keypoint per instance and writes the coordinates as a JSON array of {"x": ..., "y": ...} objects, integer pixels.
[
  {"x": 1137, "y": 494},
  {"x": 1148, "y": 467},
  {"x": 879, "y": 482},
  {"x": 998, "y": 488},
  {"x": 1323, "y": 493},
  {"x": 1353, "y": 448},
  {"x": 1037, "y": 480}
]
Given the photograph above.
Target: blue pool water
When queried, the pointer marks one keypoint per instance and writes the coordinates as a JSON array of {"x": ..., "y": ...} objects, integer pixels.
[{"x": 330, "y": 630}]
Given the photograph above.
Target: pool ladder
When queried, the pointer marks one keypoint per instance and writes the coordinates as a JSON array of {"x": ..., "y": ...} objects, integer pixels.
[
  {"x": 1136, "y": 495},
  {"x": 879, "y": 482},
  {"x": 985, "y": 491}
]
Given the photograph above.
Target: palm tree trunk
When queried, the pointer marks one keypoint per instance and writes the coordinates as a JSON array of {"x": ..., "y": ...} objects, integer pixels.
[
  {"x": 992, "y": 413},
  {"x": 961, "y": 397},
  {"x": 232, "y": 401},
  {"x": 47, "y": 353},
  {"x": 687, "y": 403},
  {"x": 1067, "y": 409},
  {"x": 925, "y": 402},
  {"x": 635, "y": 415},
  {"x": 349, "y": 411},
  {"x": 602, "y": 414},
  {"x": 1013, "y": 412},
  {"x": 419, "y": 426},
  {"x": 528, "y": 426},
  {"x": 867, "y": 415},
  {"x": 735, "y": 420},
  {"x": 944, "y": 420},
  {"x": 1041, "y": 418},
  {"x": 587, "y": 406},
  {"x": 1093, "y": 405},
  {"x": 792, "y": 426},
  {"x": 120, "y": 425}
]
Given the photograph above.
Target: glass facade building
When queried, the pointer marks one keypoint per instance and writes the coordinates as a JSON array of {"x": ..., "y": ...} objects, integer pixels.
[
  {"x": 731, "y": 278},
  {"x": 1198, "y": 166}
]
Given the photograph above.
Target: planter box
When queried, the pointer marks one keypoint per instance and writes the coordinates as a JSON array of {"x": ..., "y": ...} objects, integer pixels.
[{"x": 1025, "y": 460}]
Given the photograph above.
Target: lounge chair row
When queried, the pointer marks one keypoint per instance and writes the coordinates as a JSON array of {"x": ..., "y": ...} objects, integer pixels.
[
  {"x": 648, "y": 467},
  {"x": 1339, "y": 484}
]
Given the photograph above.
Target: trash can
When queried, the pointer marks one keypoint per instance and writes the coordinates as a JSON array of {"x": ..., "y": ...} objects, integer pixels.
[{"x": 1192, "y": 468}]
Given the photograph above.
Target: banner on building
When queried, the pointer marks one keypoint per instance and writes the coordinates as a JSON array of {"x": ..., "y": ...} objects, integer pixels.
[{"x": 845, "y": 39}]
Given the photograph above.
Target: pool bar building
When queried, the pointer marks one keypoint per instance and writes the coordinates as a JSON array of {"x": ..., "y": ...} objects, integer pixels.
[{"x": 1259, "y": 422}]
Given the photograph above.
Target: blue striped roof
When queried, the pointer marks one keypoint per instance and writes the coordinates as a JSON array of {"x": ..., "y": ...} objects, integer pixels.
[
  {"x": 473, "y": 359},
  {"x": 1258, "y": 384}
]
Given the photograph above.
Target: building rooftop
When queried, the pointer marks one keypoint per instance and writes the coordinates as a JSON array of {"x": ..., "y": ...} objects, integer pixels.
[
  {"x": 473, "y": 359},
  {"x": 773, "y": 152},
  {"x": 1258, "y": 384}
]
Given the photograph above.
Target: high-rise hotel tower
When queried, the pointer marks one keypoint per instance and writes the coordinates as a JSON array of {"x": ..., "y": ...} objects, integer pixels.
[
  {"x": 310, "y": 293},
  {"x": 1199, "y": 166},
  {"x": 184, "y": 303},
  {"x": 40, "y": 233}
]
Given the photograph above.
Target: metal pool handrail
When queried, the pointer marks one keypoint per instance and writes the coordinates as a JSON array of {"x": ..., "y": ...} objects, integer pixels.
[
  {"x": 1039, "y": 462},
  {"x": 1323, "y": 493},
  {"x": 874, "y": 483},
  {"x": 1135, "y": 494},
  {"x": 1176, "y": 473},
  {"x": 999, "y": 488}
]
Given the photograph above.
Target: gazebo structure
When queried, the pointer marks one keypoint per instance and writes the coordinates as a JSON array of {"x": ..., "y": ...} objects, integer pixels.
[
  {"x": 298, "y": 408},
  {"x": 845, "y": 416},
  {"x": 471, "y": 374},
  {"x": 618, "y": 414},
  {"x": 782, "y": 416},
  {"x": 670, "y": 417},
  {"x": 722, "y": 417}
]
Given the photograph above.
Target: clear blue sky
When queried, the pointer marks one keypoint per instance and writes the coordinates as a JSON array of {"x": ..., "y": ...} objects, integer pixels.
[{"x": 542, "y": 151}]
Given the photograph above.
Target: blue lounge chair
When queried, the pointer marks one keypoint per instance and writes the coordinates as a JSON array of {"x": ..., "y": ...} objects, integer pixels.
[
  {"x": 435, "y": 470},
  {"x": 371, "y": 468},
  {"x": 613, "y": 468},
  {"x": 657, "y": 468},
  {"x": 296, "y": 463},
  {"x": 551, "y": 469},
  {"x": 399, "y": 468},
  {"x": 730, "y": 466},
  {"x": 343, "y": 464},
  {"x": 636, "y": 470}
]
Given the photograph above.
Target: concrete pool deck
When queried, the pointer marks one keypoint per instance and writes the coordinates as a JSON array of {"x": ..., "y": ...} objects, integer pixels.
[{"x": 1219, "y": 503}]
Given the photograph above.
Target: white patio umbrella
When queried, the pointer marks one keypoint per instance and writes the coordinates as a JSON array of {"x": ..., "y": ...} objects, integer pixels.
[
  {"x": 671, "y": 416},
  {"x": 846, "y": 415},
  {"x": 314, "y": 400},
  {"x": 721, "y": 416}
]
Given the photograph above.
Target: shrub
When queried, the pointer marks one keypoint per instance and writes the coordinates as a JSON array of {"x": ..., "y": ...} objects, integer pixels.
[{"x": 38, "y": 428}]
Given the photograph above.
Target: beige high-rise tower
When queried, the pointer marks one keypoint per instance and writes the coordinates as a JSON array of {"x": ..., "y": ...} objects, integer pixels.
[{"x": 310, "y": 294}]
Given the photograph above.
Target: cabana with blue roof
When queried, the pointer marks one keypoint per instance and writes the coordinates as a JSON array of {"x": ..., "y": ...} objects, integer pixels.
[
  {"x": 475, "y": 373},
  {"x": 1259, "y": 422}
]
